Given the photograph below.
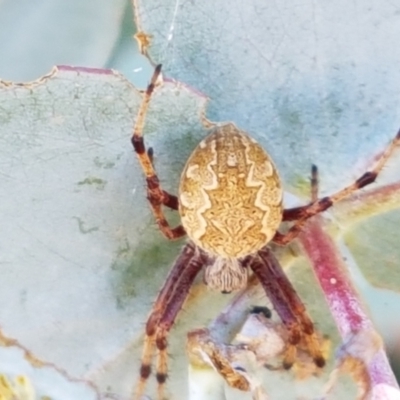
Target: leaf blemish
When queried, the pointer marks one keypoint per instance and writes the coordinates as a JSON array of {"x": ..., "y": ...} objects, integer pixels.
[
  {"x": 100, "y": 183},
  {"x": 81, "y": 225}
]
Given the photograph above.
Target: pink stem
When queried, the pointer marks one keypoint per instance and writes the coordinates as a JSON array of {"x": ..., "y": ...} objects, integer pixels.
[{"x": 343, "y": 300}]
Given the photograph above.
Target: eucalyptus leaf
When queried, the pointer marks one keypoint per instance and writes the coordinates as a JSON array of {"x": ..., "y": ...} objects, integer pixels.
[
  {"x": 314, "y": 83},
  {"x": 36, "y": 35},
  {"x": 82, "y": 258}
]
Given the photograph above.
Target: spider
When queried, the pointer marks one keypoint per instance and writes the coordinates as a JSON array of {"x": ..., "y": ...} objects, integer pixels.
[{"x": 230, "y": 204}]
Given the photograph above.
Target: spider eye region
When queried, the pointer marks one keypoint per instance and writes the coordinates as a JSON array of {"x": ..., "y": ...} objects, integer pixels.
[{"x": 230, "y": 194}]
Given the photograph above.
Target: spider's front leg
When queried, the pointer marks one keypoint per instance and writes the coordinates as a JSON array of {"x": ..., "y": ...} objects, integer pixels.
[
  {"x": 155, "y": 194},
  {"x": 301, "y": 214},
  {"x": 166, "y": 307},
  {"x": 169, "y": 200},
  {"x": 287, "y": 304}
]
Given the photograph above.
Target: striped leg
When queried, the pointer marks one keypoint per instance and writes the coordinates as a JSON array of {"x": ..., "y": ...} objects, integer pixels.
[
  {"x": 166, "y": 307},
  {"x": 288, "y": 305},
  {"x": 301, "y": 214},
  {"x": 155, "y": 194}
]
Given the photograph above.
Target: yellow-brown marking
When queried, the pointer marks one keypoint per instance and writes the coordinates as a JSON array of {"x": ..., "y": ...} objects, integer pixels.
[{"x": 230, "y": 194}]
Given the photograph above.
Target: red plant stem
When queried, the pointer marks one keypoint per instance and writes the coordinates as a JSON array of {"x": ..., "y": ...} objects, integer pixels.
[
  {"x": 335, "y": 282},
  {"x": 343, "y": 300}
]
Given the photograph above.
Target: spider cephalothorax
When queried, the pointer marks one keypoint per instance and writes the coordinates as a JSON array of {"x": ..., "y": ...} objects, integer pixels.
[{"x": 230, "y": 203}]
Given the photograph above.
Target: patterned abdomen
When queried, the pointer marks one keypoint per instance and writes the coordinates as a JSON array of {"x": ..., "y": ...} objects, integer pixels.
[{"x": 230, "y": 194}]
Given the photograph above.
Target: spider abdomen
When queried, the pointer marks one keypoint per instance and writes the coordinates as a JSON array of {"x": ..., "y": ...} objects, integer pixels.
[{"x": 230, "y": 194}]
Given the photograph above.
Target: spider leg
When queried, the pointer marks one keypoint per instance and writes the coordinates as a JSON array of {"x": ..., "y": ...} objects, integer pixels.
[
  {"x": 169, "y": 200},
  {"x": 302, "y": 214},
  {"x": 295, "y": 213},
  {"x": 165, "y": 309},
  {"x": 296, "y": 304},
  {"x": 288, "y": 305},
  {"x": 314, "y": 183},
  {"x": 167, "y": 320},
  {"x": 155, "y": 194}
]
